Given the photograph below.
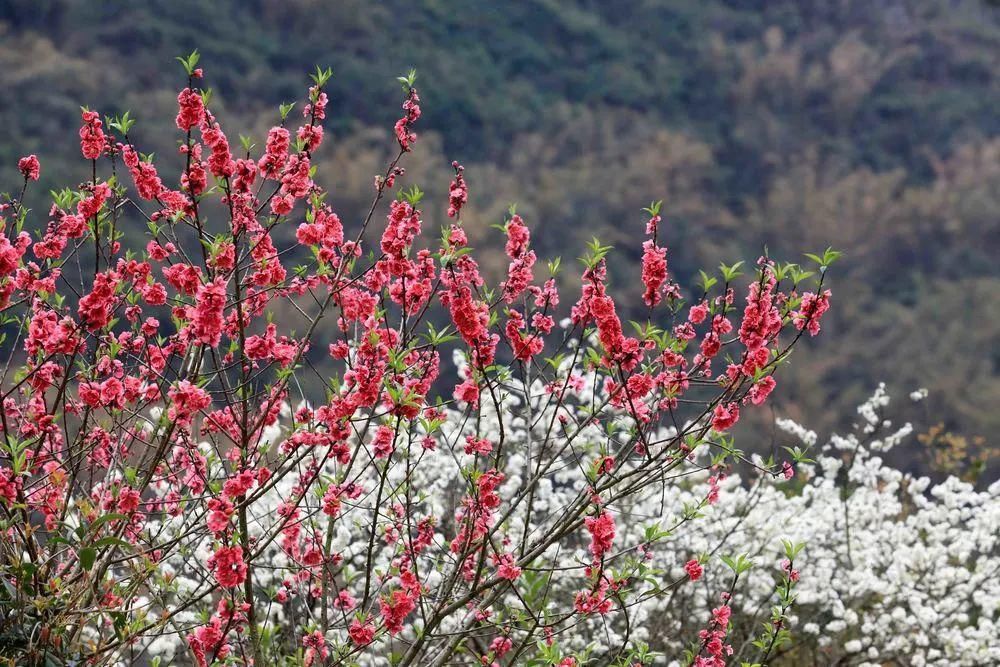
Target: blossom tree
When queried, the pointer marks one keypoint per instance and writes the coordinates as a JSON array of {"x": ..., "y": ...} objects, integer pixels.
[{"x": 180, "y": 484}]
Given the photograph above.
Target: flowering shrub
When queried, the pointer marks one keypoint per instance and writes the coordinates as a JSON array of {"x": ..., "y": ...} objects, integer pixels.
[{"x": 179, "y": 485}]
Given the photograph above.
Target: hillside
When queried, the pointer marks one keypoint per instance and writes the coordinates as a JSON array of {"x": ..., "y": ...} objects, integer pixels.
[{"x": 870, "y": 126}]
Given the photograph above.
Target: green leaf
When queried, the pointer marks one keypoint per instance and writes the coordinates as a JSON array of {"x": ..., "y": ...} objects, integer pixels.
[
  {"x": 191, "y": 62},
  {"x": 321, "y": 76},
  {"x": 413, "y": 195},
  {"x": 738, "y": 565},
  {"x": 730, "y": 272},
  {"x": 104, "y": 518},
  {"x": 408, "y": 80},
  {"x": 87, "y": 557},
  {"x": 108, "y": 541},
  {"x": 654, "y": 208}
]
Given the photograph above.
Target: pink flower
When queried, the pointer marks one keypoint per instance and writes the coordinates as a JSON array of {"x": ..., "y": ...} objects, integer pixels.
[
  {"x": 395, "y": 608},
  {"x": 474, "y": 445},
  {"x": 458, "y": 192},
  {"x": 761, "y": 321},
  {"x": 191, "y": 109},
  {"x": 714, "y": 489},
  {"x": 9, "y": 485},
  {"x": 345, "y": 601},
  {"x": 11, "y": 253},
  {"x": 519, "y": 272},
  {"x": 402, "y": 226},
  {"x": 95, "y": 308},
  {"x": 602, "y": 533},
  {"x": 317, "y": 107},
  {"x": 525, "y": 345},
  {"x": 239, "y": 484},
  {"x": 786, "y": 566},
  {"x": 468, "y": 391},
  {"x": 206, "y": 640},
  {"x": 713, "y": 639},
  {"x": 91, "y": 135},
  {"x": 595, "y": 601},
  {"x": 220, "y": 510},
  {"x": 811, "y": 310},
  {"x": 383, "y": 445},
  {"x": 594, "y": 303},
  {"x": 186, "y": 401},
  {"x": 725, "y": 416},
  {"x": 761, "y": 390},
  {"x": 91, "y": 206},
  {"x": 506, "y": 566},
  {"x": 128, "y": 500},
  {"x": 654, "y": 272},
  {"x": 404, "y": 126},
  {"x": 29, "y": 167},
  {"x": 694, "y": 569},
  {"x": 228, "y": 566},
  {"x": 361, "y": 633},
  {"x": 311, "y": 136},
  {"x": 220, "y": 162},
  {"x": 282, "y": 205},
  {"x": 144, "y": 174},
  {"x": 207, "y": 320},
  {"x": 276, "y": 152},
  {"x": 501, "y": 646},
  {"x": 184, "y": 278},
  {"x": 710, "y": 345},
  {"x": 720, "y": 615},
  {"x": 315, "y": 645},
  {"x": 472, "y": 318},
  {"x": 295, "y": 181},
  {"x": 698, "y": 313},
  {"x": 159, "y": 252}
]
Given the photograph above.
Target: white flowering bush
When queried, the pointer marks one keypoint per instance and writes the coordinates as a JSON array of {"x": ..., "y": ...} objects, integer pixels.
[{"x": 892, "y": 569}]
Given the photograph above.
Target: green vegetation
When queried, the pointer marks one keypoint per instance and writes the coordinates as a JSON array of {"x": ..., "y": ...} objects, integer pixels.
[{"x": 870, "y": 126}]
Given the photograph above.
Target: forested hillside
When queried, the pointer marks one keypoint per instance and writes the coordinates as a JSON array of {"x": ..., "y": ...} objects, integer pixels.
[{"x": 869, "y": 125}]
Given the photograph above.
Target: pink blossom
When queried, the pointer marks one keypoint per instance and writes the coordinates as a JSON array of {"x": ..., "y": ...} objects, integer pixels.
[
  {"x": 602, "y": 533},
  {"x": 468, "y": 391},
  {"x": 698, "y": 313},
  {"x": 186, "y": 401},
  {"x": 458, "y": 192},
  {"x": 395, "y": 607},
  {"x": 228, "y": 566},
  {"x": 506, "y": 566},
  {"x": 811, "y": 310},
  {"x": 694, "y": 569},
  {"x": 725, "y": 416},
  {"x": 383, "y": 446},
  {"x": 654, "y": 272},
  {"x": 276, "y": 152},
  {"x": 361, "y": 633},
  {"x": 29, "y": 167},
  {"x": 762, "y": 389},
  {"x": 207, "y": 317},
  {"x": 404, "y": 126},
  {"x": 474, "y": 445},
  {"x": 191, "y": 109},
  {"x": 91, "y": 135}
]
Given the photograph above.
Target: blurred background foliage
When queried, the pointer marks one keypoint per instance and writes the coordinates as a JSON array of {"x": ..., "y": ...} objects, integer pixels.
[{"x": 869, "y": 125}]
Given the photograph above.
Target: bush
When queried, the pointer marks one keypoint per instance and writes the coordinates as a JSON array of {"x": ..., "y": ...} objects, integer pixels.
[{"x": 178, "y": 484}]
